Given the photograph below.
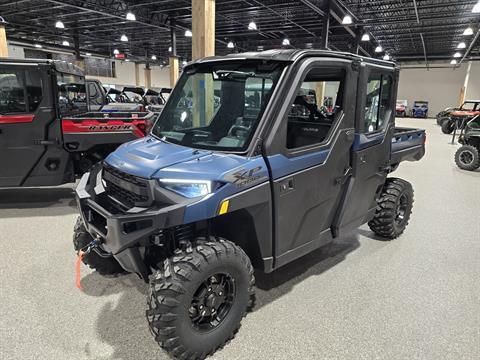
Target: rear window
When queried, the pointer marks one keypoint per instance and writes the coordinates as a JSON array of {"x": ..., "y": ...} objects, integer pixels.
[
  {"x": 72, "y": 93},
  {"x": 20, "y": 91}
]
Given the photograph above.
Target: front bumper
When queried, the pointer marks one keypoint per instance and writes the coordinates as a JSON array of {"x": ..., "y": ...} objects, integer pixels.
[{"x": 123, "y": 235}]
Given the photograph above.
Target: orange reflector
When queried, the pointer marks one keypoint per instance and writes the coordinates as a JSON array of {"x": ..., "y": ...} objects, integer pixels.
[{"x": 224, "y": 207}]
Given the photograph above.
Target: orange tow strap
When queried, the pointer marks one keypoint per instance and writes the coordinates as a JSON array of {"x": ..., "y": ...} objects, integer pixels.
[{"x": 78, "y": 274}]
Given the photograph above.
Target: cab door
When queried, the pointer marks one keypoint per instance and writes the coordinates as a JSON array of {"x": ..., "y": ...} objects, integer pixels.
[
  {"x": 374, "y": 128},
  {"x": 26, "y": 110},
  {"x": 308, "y": 155}
]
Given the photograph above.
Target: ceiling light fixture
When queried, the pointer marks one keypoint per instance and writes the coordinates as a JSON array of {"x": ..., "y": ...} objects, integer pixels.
[
  {"x": 154, "y": 57},
  {"x": 88, "y": 54},
  {"x": 453, "y": 62},
  {"x": 462, "y": 45},
  {"x": 116, "y": 52},
  {"x": 59, "y": 25},
  {"x": 124, "y": 38},
  {"x": 378, "y": 49},
  {"x": 38, "y": 46},
  {"x": 131, "y": 16},
  {"x": 457, "y": 55},
  {"x": 286, "y": 42},
  {"x": 65, "y": 43},
  {"x": 386, "y": 57},
  {"x": 169, "y": 49},
  {"x": 188, "y": 33},
  {"x": 347, "y": 20},
  {"x": 366, "y": 37},
  {"x": 230, "y": 45},
  {"x": 127, "y": 60},
  {"x": 476, "y": 8},
  {"x": 468, "y": 31},
  {"x": 252, "y": 26},
  {"x": 184, "y": 62}
]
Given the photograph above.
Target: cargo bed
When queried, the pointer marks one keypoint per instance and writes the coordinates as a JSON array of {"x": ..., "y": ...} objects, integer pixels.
[{"x": 407, "y": 144}]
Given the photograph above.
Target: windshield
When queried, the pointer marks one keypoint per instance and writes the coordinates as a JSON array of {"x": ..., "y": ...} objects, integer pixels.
[
  {"x": 72, "y": 95},
  {"x": 218, "y": 106}
]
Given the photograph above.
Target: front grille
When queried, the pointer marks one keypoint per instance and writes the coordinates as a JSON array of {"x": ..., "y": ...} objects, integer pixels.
[{"x": 128, "y": 189}]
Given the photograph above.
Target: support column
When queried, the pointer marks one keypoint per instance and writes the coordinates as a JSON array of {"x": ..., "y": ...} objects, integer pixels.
[
  {"x": 173, "y": 59},
  {"x": 148, "y": 76},
  {"x": 203, "y": 44},
  {"x": 137, "y": 74},
  {"x": 3, "y": 39},
  {"x": 79, "y": 61},
  {"x": 325, "y": 25},
  {"x": 203, "y": 28}
]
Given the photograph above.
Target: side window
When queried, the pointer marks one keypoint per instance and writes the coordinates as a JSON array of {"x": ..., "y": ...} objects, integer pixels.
[
  {"x": 317, "y": 105},
  {"x": 34, "y": 89},
  {"x": 378, "y": 101},
  {"x": 12, "y": 92}
]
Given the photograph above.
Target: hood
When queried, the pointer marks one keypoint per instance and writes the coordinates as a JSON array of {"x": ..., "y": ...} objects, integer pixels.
[{"x": 146, "y": 156}]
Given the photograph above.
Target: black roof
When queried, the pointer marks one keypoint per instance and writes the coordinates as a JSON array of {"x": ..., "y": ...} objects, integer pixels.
[
  {"x": 59, "y": 65},
  {"x": 291, "y": 55}
]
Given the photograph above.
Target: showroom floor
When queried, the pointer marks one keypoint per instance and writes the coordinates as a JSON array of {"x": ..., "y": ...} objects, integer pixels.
[{"x": 417, "y": 297}]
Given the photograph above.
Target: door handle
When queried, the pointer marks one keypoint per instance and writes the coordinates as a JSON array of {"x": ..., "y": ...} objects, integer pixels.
[{"x": 287, "y": 185}]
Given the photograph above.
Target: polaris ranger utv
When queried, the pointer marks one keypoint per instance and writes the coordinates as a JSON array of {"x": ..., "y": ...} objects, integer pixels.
[
  {"x": 213, "y": 192},
  {"x": 47, "y": 134}
]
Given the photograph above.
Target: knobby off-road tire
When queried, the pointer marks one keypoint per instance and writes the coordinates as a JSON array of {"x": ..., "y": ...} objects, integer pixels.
[
  {"x": 393, "y": 209},
  {"x": 177, "y": 320},
  {"x": 104, "y": 266},
  {"x": 467, "y": 157},
  {"x": 448, "y": 126}
]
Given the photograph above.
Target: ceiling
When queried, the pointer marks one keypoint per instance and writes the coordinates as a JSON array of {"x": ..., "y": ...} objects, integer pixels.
[{"x": 416, "y": 30}]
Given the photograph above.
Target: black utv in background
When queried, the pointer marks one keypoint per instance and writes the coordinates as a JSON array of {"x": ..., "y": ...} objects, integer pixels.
[
  {"x": 50, "y": 132},
  {"x": 467, "y": 156},
  {"x": 244, "y": 169}
]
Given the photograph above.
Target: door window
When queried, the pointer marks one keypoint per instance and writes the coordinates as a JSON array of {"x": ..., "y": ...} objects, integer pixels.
[
  {"x": 377, "y": 102},
  {"x": 316, "y": 107},
  {"x": 72, "y": 95},
  {"x": 12, "y": 93},
  {"x": 34, "y": 89}
]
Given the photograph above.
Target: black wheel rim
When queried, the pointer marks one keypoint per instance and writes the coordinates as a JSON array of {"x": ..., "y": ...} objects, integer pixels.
[
  {"x": 402, "y": 208},
  {"x": 466, "y": 157},
  {"x": 212, "y": 302}
]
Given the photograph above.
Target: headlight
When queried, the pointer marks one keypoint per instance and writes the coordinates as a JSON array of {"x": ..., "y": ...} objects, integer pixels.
[{"x": 188, "y": 188}]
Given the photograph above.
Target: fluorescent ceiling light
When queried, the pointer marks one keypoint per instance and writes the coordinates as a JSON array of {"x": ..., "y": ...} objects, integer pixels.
[
  {"x": 169, "y": 49},
  {"x": 230, "y": 45},
  {"x": 378, "y": 49},
  {"x": 468, "y": 31},
  {"x": 462, "y": 45},
  {"x": 457, "y": 55},
  {"x": 252, "y": 26},
  {"x": 131, "y": 16},
  {"x": 476, "y": 8},
  {"x": 65, "y": 43},
  {"x": 386, "y": 57},
  {"x": 154, "y": 57},
  {"x": 188, "y": 33},
  {"x": 88, "y": 54},
  {"x": 366, "y": 37},
  {"x": 59, "y": 25},
  {"x": 116, "y": 52},
  {"x": 124, "y": 38},
  {"x": 453, "y": 62},
  {"x": 347, "y": 20},
  {"x": 285, "y": 42},
  {"x": 38, "y": 46}
]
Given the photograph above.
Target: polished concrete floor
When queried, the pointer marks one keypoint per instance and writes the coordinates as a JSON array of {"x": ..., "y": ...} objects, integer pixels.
[{"x": 417, "y": 297}]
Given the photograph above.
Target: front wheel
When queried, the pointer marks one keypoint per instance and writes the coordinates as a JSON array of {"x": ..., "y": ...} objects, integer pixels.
[
  {"x": 393, "y": 209},
  {"x": 448, "y": 126},
  {"x": 467, "y": 157},
  {"x": 197, "y": 300}
]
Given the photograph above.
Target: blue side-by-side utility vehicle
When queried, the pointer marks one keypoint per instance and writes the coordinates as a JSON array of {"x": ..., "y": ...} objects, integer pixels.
[{"x": 243, "y": 170}]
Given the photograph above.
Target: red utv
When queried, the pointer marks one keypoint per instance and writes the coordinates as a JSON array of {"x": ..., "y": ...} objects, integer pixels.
[{"x": 48, "y": 132}]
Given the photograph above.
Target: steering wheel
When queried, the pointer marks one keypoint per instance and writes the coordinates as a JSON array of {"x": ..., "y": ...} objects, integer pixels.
[{"x": 235, "y": 128}]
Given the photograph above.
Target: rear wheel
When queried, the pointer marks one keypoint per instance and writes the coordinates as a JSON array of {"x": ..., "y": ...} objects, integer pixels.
[
  {"x": 197, "y": 300},
  {"x": 394, "y": 208},
  {"x": 448, "y": 126},
  {"x": 467, "y": 158},
  {"x": 106, "y": 266}
]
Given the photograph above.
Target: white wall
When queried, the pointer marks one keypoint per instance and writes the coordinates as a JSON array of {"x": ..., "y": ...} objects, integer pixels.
[
  {"x": 440, "y": 87},
  {"x": 15, "y": 52},
  {"x": 473, "y": 86}
]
